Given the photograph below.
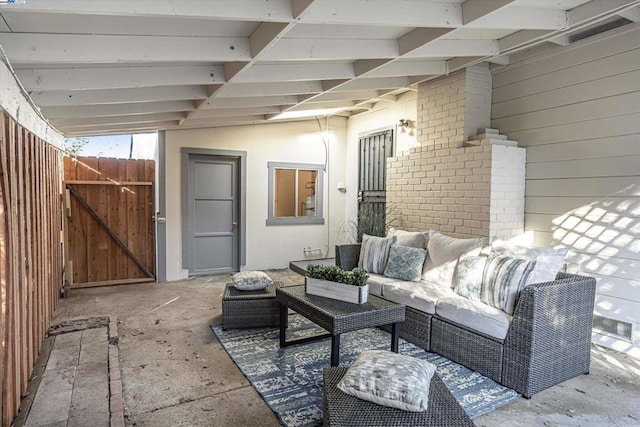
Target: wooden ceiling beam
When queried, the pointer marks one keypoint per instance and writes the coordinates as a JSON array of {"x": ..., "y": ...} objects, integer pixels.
[
  {"x": 48, "y": 79},
  {"x": 75, "y": 111},
  {"x": 257, "y": 101},
  {"x": 238, "y": 10},
  {"x": 119, "y": 96},
  {"x": 79, "y": 122},
  {"x": 100, "y": 49},
  {"x": 240, "y": 90}
]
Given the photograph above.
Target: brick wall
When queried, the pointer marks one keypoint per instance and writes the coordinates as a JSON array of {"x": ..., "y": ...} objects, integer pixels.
[{"x": 448, "y": 186}]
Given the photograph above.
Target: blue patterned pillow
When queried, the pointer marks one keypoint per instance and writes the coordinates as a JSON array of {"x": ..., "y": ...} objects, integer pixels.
[
  {"x": 502, "y": 281},
  {"x": 374, "y": 253},
  {"x": 405, "y": 263},
  {"x": 390, "y": 379}
]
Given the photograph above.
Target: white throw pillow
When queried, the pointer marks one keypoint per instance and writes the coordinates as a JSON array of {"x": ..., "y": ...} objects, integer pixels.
[
  {"x": 251, "y": 280},
  {"x": 468, "y": 279},
  {"x": 442, "y": 256},
  {"x": 390, "y": 379},
  {"x": 549, "y": 261},
  {"x": 414, "y": 239}
]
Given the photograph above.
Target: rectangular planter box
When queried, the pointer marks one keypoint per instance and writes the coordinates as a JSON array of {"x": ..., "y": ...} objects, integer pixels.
[{"x": 334, "y": 290}]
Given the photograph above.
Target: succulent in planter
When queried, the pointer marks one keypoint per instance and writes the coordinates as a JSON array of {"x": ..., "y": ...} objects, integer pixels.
[{"x": 333, "y": 273}]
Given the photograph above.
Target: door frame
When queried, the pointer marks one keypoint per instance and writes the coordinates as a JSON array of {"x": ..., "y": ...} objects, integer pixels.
[{"x": 241, "y": 157}]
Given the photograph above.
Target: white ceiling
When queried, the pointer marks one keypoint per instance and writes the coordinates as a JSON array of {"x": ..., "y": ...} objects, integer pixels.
[{"x": 101, "y": 67}]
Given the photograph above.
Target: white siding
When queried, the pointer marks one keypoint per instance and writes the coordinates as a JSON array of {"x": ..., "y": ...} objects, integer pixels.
[{"x": 577, "y": 111}]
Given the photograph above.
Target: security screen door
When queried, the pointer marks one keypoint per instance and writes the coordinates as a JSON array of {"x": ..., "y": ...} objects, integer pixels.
[{"x": 374, "y": 150}]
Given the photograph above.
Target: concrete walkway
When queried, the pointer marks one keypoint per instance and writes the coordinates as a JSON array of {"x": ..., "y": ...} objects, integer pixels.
[
  {"x": 79, "y": 384},
  {"x": 74, "y": 389},
  {"x": 175, "y": 372}
]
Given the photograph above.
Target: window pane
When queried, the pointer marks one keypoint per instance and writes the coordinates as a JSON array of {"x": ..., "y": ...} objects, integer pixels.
[
  {"x": 307, "y": 198},
  {"x": 295, "y": 193},
  {"x": 285, "y": 193}
]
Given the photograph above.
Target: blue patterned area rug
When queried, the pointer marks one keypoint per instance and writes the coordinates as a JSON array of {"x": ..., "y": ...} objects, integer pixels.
[{"x": 290, "y": 379}]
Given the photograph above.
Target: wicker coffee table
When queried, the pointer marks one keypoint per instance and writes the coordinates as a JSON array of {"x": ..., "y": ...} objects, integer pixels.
[{"x": 337, "y": 317}]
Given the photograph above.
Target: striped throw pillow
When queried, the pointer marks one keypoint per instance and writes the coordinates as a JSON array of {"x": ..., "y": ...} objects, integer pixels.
[
  {"x": 502, "y": 281},
  {"x": 374, "y": 253}
]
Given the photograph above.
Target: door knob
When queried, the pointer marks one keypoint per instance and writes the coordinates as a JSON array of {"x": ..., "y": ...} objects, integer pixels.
[{"x": 234, "y": 223}]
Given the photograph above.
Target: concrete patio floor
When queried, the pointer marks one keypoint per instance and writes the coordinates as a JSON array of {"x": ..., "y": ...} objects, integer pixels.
[{"x": 175, "y": 372}]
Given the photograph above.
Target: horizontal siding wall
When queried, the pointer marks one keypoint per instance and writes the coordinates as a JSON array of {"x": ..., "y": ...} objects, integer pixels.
[{"x": 577, "y": 111}]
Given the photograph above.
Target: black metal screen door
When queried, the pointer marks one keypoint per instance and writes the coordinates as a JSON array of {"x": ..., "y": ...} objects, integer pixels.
[{"x": 372, "y": 167}]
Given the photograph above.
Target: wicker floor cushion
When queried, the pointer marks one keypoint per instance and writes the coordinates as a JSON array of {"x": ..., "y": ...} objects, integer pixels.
[
  {"x": 341, "y": 409},
  {"x": 250, "y": 309}
]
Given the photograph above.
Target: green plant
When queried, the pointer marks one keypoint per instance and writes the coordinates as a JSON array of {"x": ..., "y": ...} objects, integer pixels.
[
  {"x": 373, "y": 218},
  {"x": 333, "y": 273}
]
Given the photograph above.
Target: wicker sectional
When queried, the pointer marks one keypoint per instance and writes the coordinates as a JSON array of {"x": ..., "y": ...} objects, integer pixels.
[{"x": 548, "y": 340}]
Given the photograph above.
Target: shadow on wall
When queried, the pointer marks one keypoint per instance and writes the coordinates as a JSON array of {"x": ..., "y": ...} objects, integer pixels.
[{"x": 604, "y": 242}]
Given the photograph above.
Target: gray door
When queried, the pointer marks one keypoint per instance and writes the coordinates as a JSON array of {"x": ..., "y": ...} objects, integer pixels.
[
  {"x": 372, "y": 195},
  {"x": 212, "y": 215}
]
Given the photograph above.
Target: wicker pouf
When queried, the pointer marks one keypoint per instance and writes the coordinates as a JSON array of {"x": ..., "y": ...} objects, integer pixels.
[
  {"x": 341, "y": 409},
  {"x": 250, "y": 309}
]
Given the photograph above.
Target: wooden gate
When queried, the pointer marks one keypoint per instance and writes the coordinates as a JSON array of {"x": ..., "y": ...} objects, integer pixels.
[
  {"x": 372, "y": 195},
  {"x": 110, "y": 220}
]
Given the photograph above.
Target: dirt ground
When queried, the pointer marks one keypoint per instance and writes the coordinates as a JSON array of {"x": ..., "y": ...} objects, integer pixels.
[{"x": 175, "y": 372}]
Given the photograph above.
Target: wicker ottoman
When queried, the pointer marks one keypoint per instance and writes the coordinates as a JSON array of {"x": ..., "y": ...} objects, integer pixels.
[
  {"x": 341, "y": 409},
  {"x": 250, "y": 309}
]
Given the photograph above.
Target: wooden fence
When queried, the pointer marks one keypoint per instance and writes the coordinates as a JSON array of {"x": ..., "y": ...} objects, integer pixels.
[
  {"x": 110, "y": 220},
  {"x": 30, "y": 255}
]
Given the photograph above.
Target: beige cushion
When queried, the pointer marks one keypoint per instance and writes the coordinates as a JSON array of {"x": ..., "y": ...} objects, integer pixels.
[
  {"x": 474, "y": 315},
  {"x": 419, "y": 295},
  {"x": 549, "y": 261},
  {"x": 442, "y": 256},
  {"x": 414, "y": 239},
  {"x": 376, "y": 281}
]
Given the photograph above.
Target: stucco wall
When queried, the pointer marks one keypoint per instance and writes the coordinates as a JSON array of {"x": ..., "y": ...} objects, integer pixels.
[{"x": 300, "y": 142}]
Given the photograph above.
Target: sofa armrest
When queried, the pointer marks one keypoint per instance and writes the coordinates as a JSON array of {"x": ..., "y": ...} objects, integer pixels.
[
  {"x": 347, "y": 256},
  {"x": 549, "y": 339}
]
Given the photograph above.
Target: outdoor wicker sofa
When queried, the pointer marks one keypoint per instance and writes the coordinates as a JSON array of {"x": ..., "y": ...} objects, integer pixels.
[{"x": 547, "y": 341}]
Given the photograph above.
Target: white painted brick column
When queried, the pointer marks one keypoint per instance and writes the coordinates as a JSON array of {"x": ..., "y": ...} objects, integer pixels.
[
  {"x": 449, "y": 185},
  {"x": 507, "y": 191}
]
